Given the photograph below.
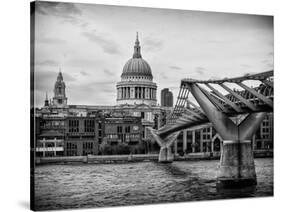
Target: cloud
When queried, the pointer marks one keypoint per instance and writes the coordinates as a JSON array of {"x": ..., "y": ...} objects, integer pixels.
[
  {"x": 215, "y": 41},
  {"x": 108, "y": 72},
  {"x": 81, "y": 62},
  {"x": 163, "y": 75},
  {"x": 152, "y": 44},
  {"x": 200, "y": 70},
  {"x": 265, "y": 61},
  {"x": 268, "y": 63},
  {"x": 67, "y": 11},
  {"x": 97, "y": 92},
  {"x": 68, "y": 78},
  {"x": 174, "y": 87},
  {"x": 49, "y": 40},
  {"x": 175, "y": 67},
  {"x": 52, "y": 63},
  {"x": 108, "y": 46},
  {"x": 104, "y": 83},
  {"x": 271, "y": 54},
  {"x": 215, "y": 78},
  {"x": 245, "y": 66},
  {"x": 91, "y": 93},
  {"x": 84, "y": 73},
  {"x": 249, "y": 73}
]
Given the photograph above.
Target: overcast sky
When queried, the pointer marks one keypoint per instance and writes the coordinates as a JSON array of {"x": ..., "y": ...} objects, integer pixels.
[{"x": 91, "y": 43}]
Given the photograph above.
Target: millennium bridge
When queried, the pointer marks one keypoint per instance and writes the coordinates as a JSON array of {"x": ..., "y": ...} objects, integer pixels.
[{"x": 218, "y": 103}]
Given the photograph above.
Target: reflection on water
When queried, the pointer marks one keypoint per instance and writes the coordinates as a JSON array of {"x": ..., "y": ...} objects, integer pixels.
[{"x": 76, "y": 186}]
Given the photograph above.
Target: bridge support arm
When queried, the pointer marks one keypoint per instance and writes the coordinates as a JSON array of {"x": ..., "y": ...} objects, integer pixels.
[
  {"x": 165, "y": 154},
  {"x": 221, "y": 122},
  {"x": 250, "y": 125}
]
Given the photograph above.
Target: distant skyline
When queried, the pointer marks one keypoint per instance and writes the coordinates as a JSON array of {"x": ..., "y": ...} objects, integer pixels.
[{"x": 91, "y": 43}]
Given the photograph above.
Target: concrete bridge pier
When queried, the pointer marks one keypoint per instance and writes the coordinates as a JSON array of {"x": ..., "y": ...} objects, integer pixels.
[
  {"x": 237, "y": 166},
  {"x": 165, "y": 155}
]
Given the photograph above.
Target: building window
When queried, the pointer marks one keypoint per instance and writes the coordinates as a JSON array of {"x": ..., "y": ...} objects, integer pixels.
[
  {"x": 87, "y": 148},
  {"x": 89, "y": 125},
  {"x": 71, "y": 149},
  {"x": 73, "y": 125},
  {"x": 119, "y": 129},
  {"x": 266, "y": 123},
  {"x": 127, "y": 129}
]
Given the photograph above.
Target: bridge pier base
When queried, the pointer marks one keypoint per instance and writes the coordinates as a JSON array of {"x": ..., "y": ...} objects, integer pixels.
[
  {"x": 165, "y": 155},
  {"x": 237, "y": 166}
]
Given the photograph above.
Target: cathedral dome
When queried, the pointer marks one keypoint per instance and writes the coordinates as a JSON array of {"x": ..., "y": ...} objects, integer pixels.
[{"x": 137, "y": 67}]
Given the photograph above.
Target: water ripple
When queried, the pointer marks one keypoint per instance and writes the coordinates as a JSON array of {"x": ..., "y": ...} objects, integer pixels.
[{"x": 85, "y": 186}]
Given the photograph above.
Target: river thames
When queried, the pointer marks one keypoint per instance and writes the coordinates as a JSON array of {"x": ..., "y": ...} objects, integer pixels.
[{"x": 103, "y": 185}]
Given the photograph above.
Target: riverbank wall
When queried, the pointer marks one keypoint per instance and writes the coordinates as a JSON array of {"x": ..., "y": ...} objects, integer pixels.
[{"x": 107, "y": 159}]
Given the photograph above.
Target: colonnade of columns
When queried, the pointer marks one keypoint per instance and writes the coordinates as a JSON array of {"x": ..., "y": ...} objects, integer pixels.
[{"x": 136, "y": 92}]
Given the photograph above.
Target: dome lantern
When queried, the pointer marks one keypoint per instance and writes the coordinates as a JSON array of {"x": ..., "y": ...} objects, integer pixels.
[{"x": 137, "y": 48}]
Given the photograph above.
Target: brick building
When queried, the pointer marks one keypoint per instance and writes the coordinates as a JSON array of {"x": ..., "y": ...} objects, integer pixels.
[
  {"x": 80, "y": 136},
  {"x": 124, "y": 130}
]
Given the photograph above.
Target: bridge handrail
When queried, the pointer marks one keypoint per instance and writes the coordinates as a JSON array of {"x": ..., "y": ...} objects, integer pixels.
[{"x": 259, "y": 76}]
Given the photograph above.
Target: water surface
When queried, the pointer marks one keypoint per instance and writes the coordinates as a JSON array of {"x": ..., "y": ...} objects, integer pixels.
[{"x": 102, "y": 185}]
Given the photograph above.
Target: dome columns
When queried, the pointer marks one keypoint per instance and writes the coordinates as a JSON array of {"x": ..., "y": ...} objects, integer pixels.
[{"x": 136, "y": 92}]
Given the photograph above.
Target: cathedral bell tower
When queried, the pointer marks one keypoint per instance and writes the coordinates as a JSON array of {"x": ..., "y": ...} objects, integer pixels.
[
  {"x": 46, "y": 103},
  {"x": 59, "y": 98}
]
